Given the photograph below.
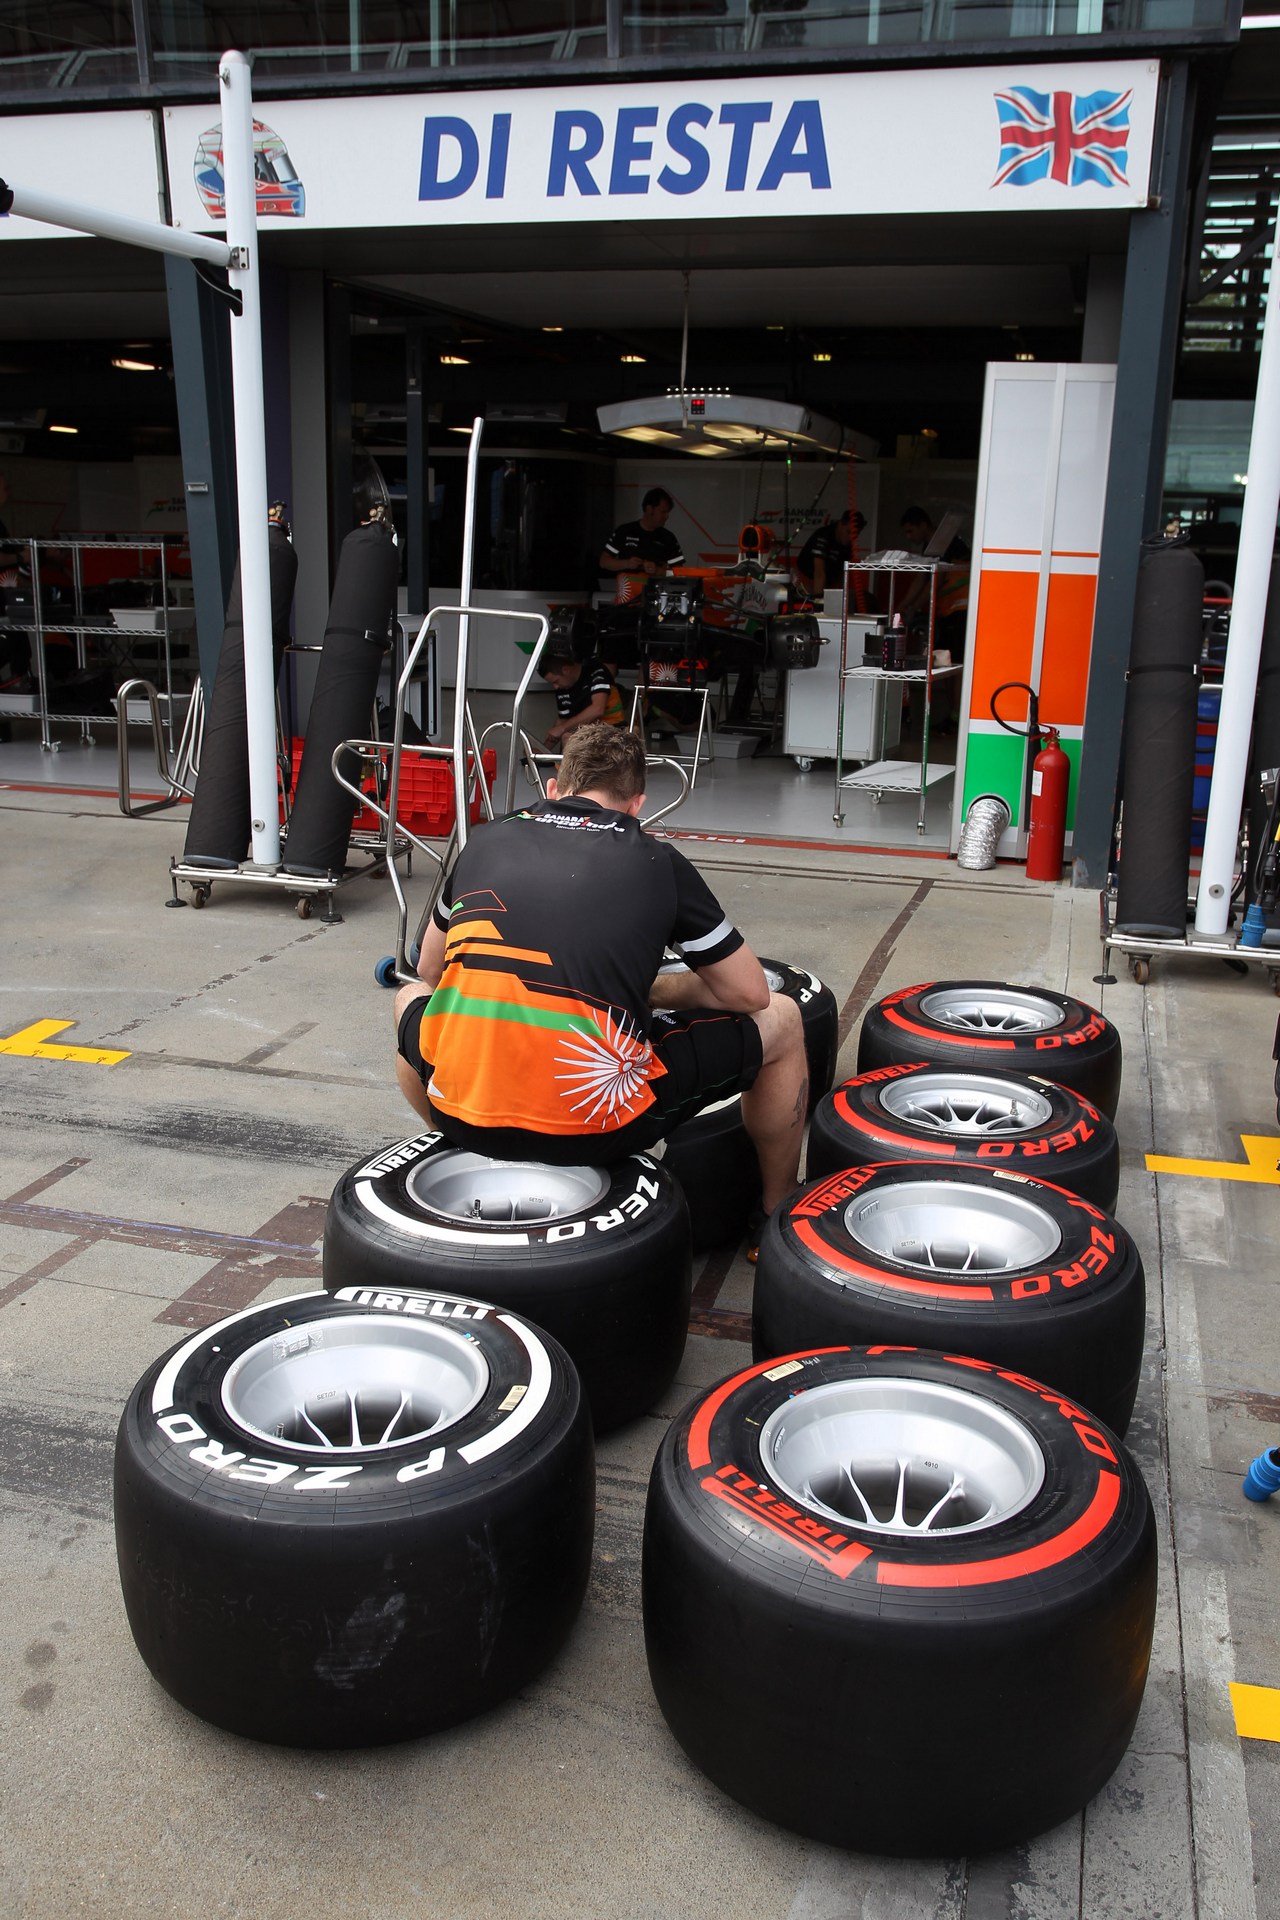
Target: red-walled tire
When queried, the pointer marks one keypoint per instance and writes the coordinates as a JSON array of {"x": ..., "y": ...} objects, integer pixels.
[
  {"x": 988, "y": 1119},
  {"x": 600, "y": 1257},
  {"x": 342, "y": 1523},
  {"x": 991, "y": 1264},
  {"x": 879, "y": 1679},
  {"x": 977, "y": 1024}
]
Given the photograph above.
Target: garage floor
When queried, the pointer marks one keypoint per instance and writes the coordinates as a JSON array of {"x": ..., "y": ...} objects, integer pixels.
[{"x": 144, "y": 1198}]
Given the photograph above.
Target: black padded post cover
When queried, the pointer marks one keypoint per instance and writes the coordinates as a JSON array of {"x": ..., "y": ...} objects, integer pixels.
[
  {"x": 357, "y": 635},
  {"x": 1159, "y": 743},
  {"x": 1266, "y": 723},
  {"x": 221, "y": 822}
]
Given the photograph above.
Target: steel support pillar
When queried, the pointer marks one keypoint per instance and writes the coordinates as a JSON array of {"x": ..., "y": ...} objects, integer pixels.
[
  {"x": 1153, "y": 294},
  {"x": 199, "y": 328},
  {"x": 417, "y": 472}
]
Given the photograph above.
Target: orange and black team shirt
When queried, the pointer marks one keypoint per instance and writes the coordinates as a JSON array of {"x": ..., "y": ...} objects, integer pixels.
[{"x": 555, "y": 923}]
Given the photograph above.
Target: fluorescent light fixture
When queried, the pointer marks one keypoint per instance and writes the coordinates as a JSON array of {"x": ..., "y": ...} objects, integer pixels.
[
  {"x": 134, "y": 366},
  {"x": 1024, "y": 356},
  {"x": 553, "y": 329},
  {"x": 632, "y": 359},
  {"x": 718, "y": 423},
  {"x": 822, "y": 358},
  {"x": 53, "y": 429},
  {"x": 454, "y": 360}
]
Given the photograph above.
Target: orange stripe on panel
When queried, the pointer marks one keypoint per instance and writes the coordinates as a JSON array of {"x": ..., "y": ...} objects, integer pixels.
[
  {"x": 1068, "y": 638},
  {"x": 1003, "y": 637}
]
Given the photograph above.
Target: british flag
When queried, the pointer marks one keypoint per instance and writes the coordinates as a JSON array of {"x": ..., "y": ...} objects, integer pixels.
[{"x": 1073, "y": 138}]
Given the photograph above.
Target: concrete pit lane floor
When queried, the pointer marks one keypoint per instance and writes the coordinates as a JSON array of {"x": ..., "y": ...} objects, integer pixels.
[{"x": 152, "y": 1195}]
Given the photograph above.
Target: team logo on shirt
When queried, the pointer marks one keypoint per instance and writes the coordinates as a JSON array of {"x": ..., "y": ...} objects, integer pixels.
[{"x": 606, "y": 1072}]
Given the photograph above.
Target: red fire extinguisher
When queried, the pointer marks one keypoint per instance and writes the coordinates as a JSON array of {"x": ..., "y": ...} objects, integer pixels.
[{"x": 1047, "y": 828}]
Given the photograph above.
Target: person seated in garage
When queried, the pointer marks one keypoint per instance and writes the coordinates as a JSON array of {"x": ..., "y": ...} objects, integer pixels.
[
  {"x": 585, "y": 690},
  {"x": 544, "y": 1030}
]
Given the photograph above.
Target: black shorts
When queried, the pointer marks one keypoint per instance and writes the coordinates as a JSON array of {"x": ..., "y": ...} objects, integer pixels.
[{"x": 708, "y": 1056}]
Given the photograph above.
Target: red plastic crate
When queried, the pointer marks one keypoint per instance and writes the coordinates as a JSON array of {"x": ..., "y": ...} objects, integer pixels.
[
  {"x": 425, "y": 800},
  {"x": 426, "y": 794}
]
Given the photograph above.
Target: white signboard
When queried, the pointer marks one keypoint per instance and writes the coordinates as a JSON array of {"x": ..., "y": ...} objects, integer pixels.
[
  {"x": 104, "y": 160},
  {"x": 1010, "y": 139}
]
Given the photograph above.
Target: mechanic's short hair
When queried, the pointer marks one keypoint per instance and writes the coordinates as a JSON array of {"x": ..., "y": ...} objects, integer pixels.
[
  {"x": 600, "y": 758},
  {"x": 656, "y": 497}
]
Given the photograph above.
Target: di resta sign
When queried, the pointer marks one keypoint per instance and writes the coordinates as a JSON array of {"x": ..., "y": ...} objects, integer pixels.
[{"x": 987, "y": 140}]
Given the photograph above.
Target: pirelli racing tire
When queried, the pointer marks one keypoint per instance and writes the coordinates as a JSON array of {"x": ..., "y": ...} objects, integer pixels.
[
  {"x": 712, "y": 1156},
  {"x": 339, "y": 1524},
  {"x": 599, "y": 1257},
  {"x": 964, "y": 1259},
  {"x": 988, "y": 1119},
  {"x": 715, "y": 1163},
  {"x": 978, "y": 1024},
  {"x": 819, "y": 1018},
  {"x": 898, "y": 1602}
]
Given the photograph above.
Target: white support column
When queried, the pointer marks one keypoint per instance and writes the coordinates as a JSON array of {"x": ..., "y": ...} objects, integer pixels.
[
  {"x": 1244, "y": 638},
  {"x": 251, "y": 462}
]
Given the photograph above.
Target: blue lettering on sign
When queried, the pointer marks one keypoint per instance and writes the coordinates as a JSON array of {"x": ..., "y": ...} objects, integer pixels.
[
  {"x": 435, "y": 131},
  {"x": 496, "y": 178},
  {"x": 805, "y": 118},
  {"x": 744, "y": 116},
  {"x": 454, "y": 151},
  {"x": 566, "y": 158},
  {"x": 627, "y": 149},
  {"x": 685, "y": 147}
]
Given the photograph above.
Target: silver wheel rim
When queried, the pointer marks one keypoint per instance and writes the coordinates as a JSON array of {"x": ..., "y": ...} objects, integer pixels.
[
  {"x": 773, "y": 979},
  {"x": 355, "y": 1383},
  {"x": 469, "y": 1188},
  {"x": 968, "y": 1105},
  {"x": 904, "y": 1457},
  {"x": 992, "y": 1010},
  {"x": 944, "y": 1226}
]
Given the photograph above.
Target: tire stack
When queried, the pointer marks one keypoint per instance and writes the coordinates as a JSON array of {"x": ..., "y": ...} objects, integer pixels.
[{"x": 918, "y": 1489}]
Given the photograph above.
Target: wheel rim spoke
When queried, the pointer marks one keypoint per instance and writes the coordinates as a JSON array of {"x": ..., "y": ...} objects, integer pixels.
[
  {"x": 902, "y": 1456},
  {"x": 992, "y": 1010},
  {"x": 356, "y": 1384}
]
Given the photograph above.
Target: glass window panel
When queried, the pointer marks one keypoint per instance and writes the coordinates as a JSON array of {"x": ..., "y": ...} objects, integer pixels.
[{"x": 66, "y": 43}]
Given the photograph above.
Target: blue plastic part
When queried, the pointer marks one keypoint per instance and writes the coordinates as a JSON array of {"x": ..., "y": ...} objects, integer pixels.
[
  {"x": 414, "y": 954},
  {"x": 1255, "y": 925},
  {"x": 1263, "y": 1477},
  {"x": 385, "y": 971}
]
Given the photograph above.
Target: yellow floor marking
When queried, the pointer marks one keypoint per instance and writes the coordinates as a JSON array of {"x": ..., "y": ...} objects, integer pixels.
[
  {"x": 31, "y": 1044},
  {"x": 1262, "y": 1152},
  {"x": 1257, "y": 1711}
]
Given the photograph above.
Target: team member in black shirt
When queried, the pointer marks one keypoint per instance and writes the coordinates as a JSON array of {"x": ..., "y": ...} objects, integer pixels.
[
  {"x": 585, "y": 690},
  {"x": 639, "y": 549},
  {"x": 820, "y": 563},
  {"x": 545, "y": 1030}
]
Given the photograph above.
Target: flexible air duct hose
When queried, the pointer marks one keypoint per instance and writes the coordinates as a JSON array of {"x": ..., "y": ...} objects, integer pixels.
[
  {"x": 221, "y": 822},
  {"x": 357, "y": 635},
  {"x": 1159, "y": 744}
]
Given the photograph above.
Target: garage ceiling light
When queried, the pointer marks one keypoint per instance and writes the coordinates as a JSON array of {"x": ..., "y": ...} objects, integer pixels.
[
  {"x": 53, "y": 429},
  {"x": 632, "y": 359},
  {"x": 725, "y": 424},
  {"x": 454, "y": 360},
  {"x": 134, "y": 366}
]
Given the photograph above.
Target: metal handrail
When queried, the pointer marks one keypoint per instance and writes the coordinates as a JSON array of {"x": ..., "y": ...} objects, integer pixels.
[{"x": 186, "y": 759}]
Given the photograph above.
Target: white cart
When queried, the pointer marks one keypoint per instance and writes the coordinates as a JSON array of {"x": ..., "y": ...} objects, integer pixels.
[{"x": 809, "y": 726}]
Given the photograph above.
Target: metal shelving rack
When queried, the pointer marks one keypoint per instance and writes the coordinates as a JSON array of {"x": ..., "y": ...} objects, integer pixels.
[
  {"x": 118, "y": 656},
  {"x": 891, "y": 776}
]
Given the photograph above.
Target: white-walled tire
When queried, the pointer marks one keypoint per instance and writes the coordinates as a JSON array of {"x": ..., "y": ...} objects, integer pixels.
[
  {"x": 340, "y": 1522},
  {"x": 599, "y": 1257},
  {"x": 898, "y": 1602}
]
